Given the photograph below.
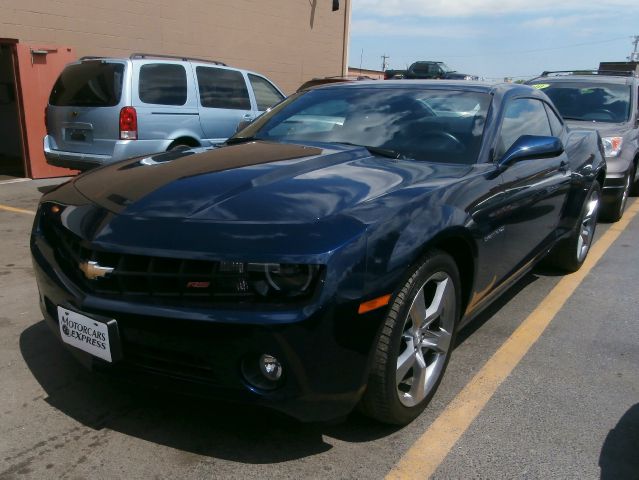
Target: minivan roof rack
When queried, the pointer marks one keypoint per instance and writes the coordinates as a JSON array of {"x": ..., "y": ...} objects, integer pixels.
[
  {"x": 175, "y": 57},
  {"x": 617, "y": 73}
]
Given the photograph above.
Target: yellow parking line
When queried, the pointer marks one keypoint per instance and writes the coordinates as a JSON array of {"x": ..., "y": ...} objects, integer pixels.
[
  {"x": 432, "y": 447},
  {"x": 7, "y": 208}
]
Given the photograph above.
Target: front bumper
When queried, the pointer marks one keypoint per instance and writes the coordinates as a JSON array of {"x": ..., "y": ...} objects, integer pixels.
[{"x": 324, "y": 350}]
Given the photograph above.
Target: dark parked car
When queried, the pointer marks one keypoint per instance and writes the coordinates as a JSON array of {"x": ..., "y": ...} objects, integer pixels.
[
  {"x": 326, "y": 80},
  {"x": 328, "y": 255},
  {"x": 428, "y": 70},
  {"x": 605, "y": 101}
]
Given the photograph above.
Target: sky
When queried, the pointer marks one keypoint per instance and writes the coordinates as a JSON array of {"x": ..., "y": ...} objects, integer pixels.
[{"x": 493, "y": 38}]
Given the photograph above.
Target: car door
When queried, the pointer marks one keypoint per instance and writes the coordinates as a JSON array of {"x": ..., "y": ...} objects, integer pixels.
[
  {"x": 224, "y": 101},
  {"x": 164, "y": 99},
  {"x": 534, "y": 190}
]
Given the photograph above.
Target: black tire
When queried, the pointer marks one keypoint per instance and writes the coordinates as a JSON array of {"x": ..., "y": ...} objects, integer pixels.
[
  {"x": 381, "y": 400},
  {"x": 568, "y": 254},
  {"x": 634, "y": 187},
  {"x": 614, "y": 211},
  {"x": 178, "y": 146}
]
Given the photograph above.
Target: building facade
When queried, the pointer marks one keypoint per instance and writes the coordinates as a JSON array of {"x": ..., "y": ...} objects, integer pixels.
[{"x": 289, "y": 41}]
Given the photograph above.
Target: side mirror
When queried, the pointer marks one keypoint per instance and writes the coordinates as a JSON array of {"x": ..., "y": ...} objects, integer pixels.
[
  {"x": 532, "y": 146},
  {"x": 242, "y": 125}
]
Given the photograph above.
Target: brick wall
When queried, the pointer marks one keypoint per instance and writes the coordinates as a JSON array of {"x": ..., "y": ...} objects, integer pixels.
[{"x": 289, "y": 41}]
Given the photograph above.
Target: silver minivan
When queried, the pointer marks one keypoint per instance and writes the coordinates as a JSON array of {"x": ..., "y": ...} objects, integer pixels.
[{"x": 102, "y": 110}]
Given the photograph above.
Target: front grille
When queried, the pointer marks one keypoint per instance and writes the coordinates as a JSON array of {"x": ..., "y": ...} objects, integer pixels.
[{"x": 156, "y": 279}]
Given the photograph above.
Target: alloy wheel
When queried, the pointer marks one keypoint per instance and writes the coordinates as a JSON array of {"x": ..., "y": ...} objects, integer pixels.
[
  {"x": 588, "y": 223},
  {"x": 426, "y": 339}
]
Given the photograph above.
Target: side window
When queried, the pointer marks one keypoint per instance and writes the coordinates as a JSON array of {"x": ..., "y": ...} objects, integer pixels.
[
  {"x": 221, "y": 88},
  {"x": 555, "y": 123},
  {"x": 266, "y": 95},
  {"x": 523, "y": 116},
  {"x": 162, "y": 84}
]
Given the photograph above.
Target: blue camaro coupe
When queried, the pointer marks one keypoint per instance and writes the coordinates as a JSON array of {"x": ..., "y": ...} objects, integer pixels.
[{"x": 325, "y": 256}]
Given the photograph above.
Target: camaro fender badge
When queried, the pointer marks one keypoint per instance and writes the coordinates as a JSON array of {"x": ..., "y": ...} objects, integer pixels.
[
  {"x": 493, "y": 234},
  {"x": 92, "y": 270}
]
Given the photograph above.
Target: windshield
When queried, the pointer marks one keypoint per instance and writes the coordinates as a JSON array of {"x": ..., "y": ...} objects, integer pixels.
[
  {"x": 589, "y": 101},
  {"x": 421, "y": 124}
]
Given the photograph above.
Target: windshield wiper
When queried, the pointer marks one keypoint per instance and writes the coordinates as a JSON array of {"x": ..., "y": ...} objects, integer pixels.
[
  {"x": 236, "y": 140},
  {"x": 383, "y": 152}
]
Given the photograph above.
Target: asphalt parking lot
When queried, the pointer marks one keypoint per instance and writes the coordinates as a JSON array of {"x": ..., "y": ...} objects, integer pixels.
[{"x": 568, "y": 409}]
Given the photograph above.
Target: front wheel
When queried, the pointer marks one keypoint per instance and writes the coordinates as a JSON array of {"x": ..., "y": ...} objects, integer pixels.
[
  {"x": 569, "y": 254},
  {"x": 415, "y": 343},
  {"x": 614, "y": 211}
]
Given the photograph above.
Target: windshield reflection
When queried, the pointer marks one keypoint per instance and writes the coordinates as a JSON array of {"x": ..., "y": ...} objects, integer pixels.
[{"x": 434, "y": 125}]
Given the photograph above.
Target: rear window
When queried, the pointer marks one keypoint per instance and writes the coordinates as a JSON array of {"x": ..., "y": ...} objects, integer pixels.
[
  {"x": 88, "y": 84},
  {"x": 221, "y": 88},
  {"x": 162, "y": 84}
]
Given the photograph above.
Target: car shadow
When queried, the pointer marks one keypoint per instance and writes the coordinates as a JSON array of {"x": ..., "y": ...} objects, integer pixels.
[
  {"x": 203, "y": 427},
  {"x": 619, "y": 458}
]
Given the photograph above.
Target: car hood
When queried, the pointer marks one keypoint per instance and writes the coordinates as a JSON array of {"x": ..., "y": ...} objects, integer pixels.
[
  {"x": 256, "y": 182},
  {"x": 604, "y": 129}
]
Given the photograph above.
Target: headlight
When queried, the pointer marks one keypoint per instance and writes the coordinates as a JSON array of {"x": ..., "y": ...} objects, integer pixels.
[
  {"x": 612, "y": 146},
  {"x": 282, "y": 279}
]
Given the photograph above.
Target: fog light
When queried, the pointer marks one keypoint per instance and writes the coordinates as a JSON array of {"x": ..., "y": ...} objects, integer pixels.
[{"x": 270, "y": 367}]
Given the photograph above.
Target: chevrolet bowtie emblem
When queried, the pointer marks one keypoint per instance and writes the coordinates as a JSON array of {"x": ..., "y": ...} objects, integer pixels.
[{"x": 94, "y": 271}]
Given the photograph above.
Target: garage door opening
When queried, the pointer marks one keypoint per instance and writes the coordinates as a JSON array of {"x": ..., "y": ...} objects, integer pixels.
[{"x": 12, "y": 161}]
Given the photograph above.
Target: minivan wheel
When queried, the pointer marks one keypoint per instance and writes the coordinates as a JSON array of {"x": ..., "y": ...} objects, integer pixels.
[
  {"x": 415, "y": 343},
  {"x": 178, "y": 146},
  {"x": 569, "y": 254}
]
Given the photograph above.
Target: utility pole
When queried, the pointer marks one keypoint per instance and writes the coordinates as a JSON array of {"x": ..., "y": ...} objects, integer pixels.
[
  {"x": 634, "y": 56},
  {"x": 384, "y": 63}
]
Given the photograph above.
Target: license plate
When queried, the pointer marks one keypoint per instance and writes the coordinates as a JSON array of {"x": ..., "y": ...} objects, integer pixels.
[{"x": 85, "y": 333}]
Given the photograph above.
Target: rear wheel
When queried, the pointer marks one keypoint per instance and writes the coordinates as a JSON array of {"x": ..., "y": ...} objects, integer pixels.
[
  {"x": 414, "y": 346},
  {"x": 569, "y": 254}
]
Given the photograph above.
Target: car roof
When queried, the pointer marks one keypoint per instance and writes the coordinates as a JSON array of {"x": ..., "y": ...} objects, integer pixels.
[
  {"x": 598, "y": 78},
  {"x": 470, "y": 86},
  {"x": 136, "y": 57}
]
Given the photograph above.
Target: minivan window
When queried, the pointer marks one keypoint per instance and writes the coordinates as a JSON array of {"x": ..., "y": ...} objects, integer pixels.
[
  {"x": 162, "y": 84},
  {"x": 221, "y": 88},
  {"x": 266, "y": 95},
  {"x": 88, "y": 84},
  {"x": 523, "y": 116}
]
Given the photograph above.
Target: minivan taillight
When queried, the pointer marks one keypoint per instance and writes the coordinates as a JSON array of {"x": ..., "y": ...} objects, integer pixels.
[{"x": 128, "y": 124}]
